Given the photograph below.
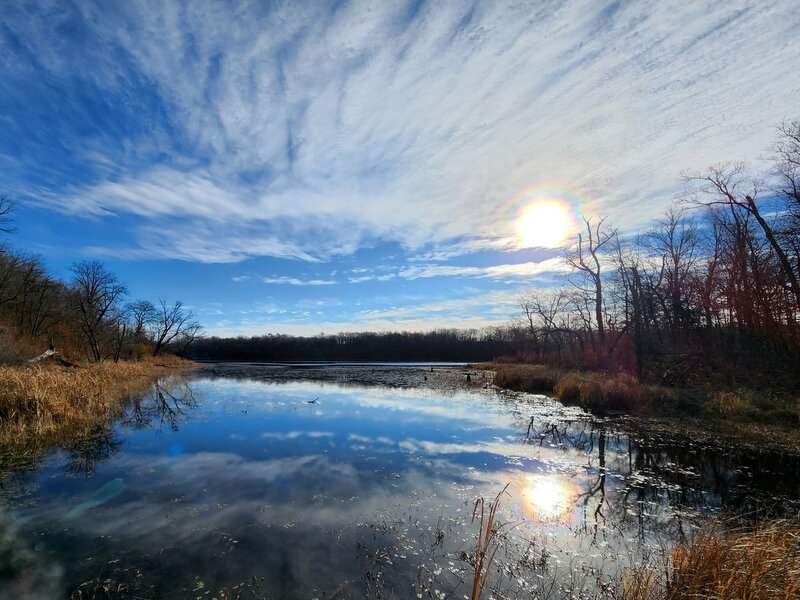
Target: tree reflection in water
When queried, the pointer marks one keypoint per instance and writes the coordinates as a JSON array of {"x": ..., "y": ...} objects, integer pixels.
[
  {"x": 664, "y": 478},
  {"x": 167, "y": 403}
]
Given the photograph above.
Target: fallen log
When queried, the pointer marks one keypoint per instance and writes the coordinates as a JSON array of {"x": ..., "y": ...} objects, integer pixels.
[{"x": 52, "y": 356}]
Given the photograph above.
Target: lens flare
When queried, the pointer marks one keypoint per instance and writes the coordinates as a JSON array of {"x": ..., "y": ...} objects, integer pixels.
[{"x": 543, "y": 223}]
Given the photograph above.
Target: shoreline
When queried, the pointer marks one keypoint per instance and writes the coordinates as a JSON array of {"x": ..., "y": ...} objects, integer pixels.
[
  {"x": 739, "y": 415},
  {"x": 42, "y": 404}
]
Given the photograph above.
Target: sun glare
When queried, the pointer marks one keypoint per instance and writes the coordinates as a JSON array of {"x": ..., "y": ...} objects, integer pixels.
[
  {"x": 547, "y": 499},
  {"x": 543, "y": 224}
]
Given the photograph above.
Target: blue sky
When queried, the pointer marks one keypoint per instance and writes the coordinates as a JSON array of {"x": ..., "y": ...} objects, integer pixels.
[{"x": 310, "y": 167}]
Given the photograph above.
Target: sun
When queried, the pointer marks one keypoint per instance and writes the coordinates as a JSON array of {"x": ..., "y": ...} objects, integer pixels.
[{"x": 543, "y": 224}]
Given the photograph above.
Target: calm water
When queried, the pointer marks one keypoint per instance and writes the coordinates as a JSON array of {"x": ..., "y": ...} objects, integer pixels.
[{"x": 259, "y": 482}]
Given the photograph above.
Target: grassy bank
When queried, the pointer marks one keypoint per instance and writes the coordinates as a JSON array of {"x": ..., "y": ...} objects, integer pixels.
[
  {"x": 761, "y": 563},
  {"x": 45, "y": 402},
  {"x": 621, "y": 392}
]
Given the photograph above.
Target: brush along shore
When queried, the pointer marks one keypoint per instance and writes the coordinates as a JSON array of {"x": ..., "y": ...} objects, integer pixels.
[
  {"x": 49, "y": 401},
  {"x": 623, "y": 393}
]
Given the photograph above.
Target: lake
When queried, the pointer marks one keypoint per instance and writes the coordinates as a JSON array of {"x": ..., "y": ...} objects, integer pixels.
[{"x": 359, "y": 481}]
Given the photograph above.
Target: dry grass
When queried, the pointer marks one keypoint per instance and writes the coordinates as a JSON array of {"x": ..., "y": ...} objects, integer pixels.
[
  {"x": 745, "y": 404},
  {"x": 525, "y": 378},
  {"x": 487, "y": 545},
  {"x": 717, "y": 564},
  {"x": 597, "y": 391},
  {"x": 41, "y": 401}
]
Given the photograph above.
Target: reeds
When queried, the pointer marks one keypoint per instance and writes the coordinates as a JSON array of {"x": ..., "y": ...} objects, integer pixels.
[
  {"x": 622, "y": 392},
  {"x": 745, "y": 404},
  {"x": 41, "y": 400},
  {"x": 757, "y": 564},
  {"x": 487, "y": 544},
  {"x": 598, "y": 391},
  {"x": 526, "y": 378}
]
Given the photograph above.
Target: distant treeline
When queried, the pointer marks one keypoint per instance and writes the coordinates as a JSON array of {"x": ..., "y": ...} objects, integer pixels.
[
  {"x": 452, "y": 345},
  {"x": 85, "y": 318}
]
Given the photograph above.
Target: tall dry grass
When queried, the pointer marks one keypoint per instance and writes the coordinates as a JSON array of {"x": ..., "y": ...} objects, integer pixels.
[
  {"x": 719, "y": 564},
  {"x": 598, "y": 391},
  {"x": 486, "y": 545},
  {"x": 45, "y": 400}
]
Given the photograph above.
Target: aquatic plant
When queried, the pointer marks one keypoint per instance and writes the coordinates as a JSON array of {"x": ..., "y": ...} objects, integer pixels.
[{"x": 38, "y": 401}]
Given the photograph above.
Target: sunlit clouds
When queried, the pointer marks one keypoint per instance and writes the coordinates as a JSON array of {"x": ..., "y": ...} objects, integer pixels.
[
  {"x": 458, "y": 139},
  {"x": 412, "y": 123}
]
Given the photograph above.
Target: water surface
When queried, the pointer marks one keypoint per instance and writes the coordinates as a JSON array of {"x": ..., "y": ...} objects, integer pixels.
[{"x": 248, "y": 481}]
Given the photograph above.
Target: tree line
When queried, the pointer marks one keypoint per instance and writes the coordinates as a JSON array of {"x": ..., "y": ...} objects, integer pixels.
[
  {"x": 441, "y": 345},
  {"x": 714, "y": 282},
  {"x": 87, "y": 317}
]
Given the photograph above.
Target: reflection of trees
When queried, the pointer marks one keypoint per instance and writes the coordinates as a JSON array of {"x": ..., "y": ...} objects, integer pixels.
[
  {"x": 597, "y": 488},
  {"x": 87, "y": 452},
  {"x": 166, "y": 403},
  {"x": 662, "y": 475}
]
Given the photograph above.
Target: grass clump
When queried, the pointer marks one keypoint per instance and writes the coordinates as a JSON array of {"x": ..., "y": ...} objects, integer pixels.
[
  {"x": 718, "y": 564},
  {"x": 744, "y": 404},
  {"x": 613, "y": 392},
  {"x": 526, "y": 378}
]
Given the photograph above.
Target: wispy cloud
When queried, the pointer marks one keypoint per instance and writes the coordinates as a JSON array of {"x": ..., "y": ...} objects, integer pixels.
[
  {"x": 363, "y": 278},
  {"x": 284, "y": 280},
  {"x": 306, "y": 131},
  {"x": 527, "y": 269}
]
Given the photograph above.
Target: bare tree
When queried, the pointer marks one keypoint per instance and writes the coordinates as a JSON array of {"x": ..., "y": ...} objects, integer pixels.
[
  {"x": 787, "y": 167},
  {"x": 675, "y": 243},
  {"x": 787, "y": 160},
  {"x": 6, "y": 221},
  {"x": 142, "y": 314},
  {"x": 544, "y": 312},
  {"x": 585, "y": 258},
  {"x": 9, "y": 267},
  {"x": 120, "y": 325},
  {"x": 96, "y": 292},
  {"x": 723, "y": 185},
  {"x": 191, "y": 331},
  {"x": 170, "y": 322}
]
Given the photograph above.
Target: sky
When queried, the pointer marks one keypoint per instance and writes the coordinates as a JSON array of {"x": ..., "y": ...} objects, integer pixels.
[{"x": 308, "y": 167}]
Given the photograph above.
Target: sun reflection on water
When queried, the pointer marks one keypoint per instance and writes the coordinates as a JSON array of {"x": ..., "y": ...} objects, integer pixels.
[{"x": 548, "y": 498}]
